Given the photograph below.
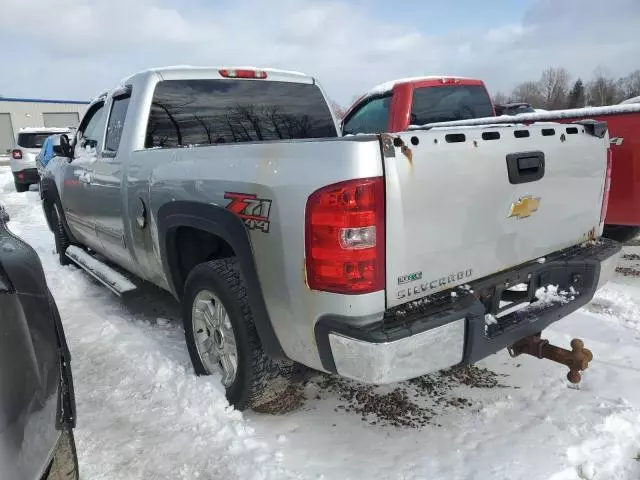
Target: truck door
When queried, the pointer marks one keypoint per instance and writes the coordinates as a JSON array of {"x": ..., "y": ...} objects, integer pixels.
[
  {"x": 79, "y": 207},
  {"x": 106, "y": 184}
]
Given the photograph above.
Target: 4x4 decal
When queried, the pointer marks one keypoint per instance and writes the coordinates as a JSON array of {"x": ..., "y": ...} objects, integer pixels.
[{"x": 253, "y": 210}]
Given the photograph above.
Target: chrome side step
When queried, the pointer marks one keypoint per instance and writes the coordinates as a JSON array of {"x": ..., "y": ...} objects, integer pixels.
[{"x": 114, "y": 281}]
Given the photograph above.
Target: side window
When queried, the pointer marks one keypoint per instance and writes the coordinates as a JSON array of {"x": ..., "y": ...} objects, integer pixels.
[
  {"x": 116, "y": 123},
  {"x": 89, "y": 135},
  {"x": 372, "y": 117}
]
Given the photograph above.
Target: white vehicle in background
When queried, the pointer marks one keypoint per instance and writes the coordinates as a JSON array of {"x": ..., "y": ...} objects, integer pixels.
[{"x": 23, "y": 155}]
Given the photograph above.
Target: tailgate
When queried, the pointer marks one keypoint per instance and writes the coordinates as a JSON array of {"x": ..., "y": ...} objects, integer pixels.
[{"x": 473, "y": 201}]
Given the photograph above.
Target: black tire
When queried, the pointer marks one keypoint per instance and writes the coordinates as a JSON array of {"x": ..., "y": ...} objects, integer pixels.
[
  {"x": 21, "y": 187},
  {"x": 262, "y": 384},
  {"x": 65, "y": 459},
  {"x": 60, "y": 234},
  {"x": 620, "y": 233}
]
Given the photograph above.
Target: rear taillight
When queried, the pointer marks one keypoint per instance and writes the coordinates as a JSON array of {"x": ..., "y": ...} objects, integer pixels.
[
  {"x": 242, "y": 73},
  {"x": 16, "y": 154},
  {"x": 607, "y": 187},
  {"x": 345, "y": 237}
]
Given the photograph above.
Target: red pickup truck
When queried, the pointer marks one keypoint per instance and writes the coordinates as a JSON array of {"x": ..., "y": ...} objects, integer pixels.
[{"x": 395, "y": 106}]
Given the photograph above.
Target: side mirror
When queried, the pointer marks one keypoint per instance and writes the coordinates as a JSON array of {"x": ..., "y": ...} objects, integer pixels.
[{"x": 64, "y": 149}]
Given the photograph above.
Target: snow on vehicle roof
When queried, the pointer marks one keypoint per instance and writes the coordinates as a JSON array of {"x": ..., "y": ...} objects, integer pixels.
[
  {"x": 540, "y": 116},
  {"x": 44, "y": 130},
  {"x": 630, "y": 100},
  {"x": 388, "y": 86}
]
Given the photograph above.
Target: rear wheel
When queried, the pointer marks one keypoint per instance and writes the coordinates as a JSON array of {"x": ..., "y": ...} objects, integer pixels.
[
  {"x": 65, "y": 459},
  {"x": 21, "y": 187},
  {"x": 221, "y": 337},
  {"x": 60, "y": 234}
]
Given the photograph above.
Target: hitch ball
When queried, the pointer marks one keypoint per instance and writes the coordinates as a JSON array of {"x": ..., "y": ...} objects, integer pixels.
[{"x": 577, "y": 359}]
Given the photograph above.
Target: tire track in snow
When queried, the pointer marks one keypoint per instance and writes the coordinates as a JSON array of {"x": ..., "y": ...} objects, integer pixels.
[{"x": 617, "y": 306}]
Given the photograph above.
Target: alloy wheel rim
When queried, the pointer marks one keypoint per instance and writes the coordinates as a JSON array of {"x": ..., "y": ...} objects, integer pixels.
[{"x": 214, "y": 336}]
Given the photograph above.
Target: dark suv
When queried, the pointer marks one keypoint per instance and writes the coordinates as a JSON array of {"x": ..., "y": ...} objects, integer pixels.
[
  {"x": 37, "y": 406},
  {"x": 513, "y": 109}
]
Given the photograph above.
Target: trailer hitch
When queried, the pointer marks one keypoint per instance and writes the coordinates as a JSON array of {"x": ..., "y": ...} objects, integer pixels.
[{"x": 576, "y": 359}]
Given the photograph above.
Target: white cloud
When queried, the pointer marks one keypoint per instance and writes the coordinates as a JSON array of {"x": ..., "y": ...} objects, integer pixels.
[{"x": 75, "y": 48}]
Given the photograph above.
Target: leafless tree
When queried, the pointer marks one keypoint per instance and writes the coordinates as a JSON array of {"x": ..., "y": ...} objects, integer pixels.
[
  {"x": 630, "y": 85},
  {"x": 603, "y": 89},
  {"x": 554, "y": 87},
  {"x": 500, "y": 98},
  {"x": 528, "y": 92}
]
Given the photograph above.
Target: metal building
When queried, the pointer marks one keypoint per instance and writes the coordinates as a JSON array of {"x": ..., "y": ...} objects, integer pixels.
[{"x": 17, "y": 113}]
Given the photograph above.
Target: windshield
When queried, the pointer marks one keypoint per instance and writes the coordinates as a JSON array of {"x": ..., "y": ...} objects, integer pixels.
[
  {"x": 32, "y": 140},
  {"x": 448, "y": 103}
]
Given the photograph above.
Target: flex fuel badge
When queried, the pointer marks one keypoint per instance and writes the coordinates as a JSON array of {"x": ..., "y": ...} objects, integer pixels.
[{"x": 412, "y": 277}]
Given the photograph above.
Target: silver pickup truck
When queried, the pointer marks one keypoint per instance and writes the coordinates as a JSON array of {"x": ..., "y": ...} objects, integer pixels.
[{"x": 376, "y": 257}]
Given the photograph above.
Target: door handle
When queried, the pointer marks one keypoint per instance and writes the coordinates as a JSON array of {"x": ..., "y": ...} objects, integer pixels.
[{"x": 525, "y": 167}]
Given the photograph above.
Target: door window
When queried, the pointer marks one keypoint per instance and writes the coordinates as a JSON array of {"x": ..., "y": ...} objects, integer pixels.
[
  {"x": 116, "y": 123},
  {"x": 372, "y": 117},
  {"x": 90, "y": 133}
]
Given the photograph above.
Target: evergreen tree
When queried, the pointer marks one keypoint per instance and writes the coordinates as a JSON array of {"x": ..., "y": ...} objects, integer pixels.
[{"x": 576, "y": 95}]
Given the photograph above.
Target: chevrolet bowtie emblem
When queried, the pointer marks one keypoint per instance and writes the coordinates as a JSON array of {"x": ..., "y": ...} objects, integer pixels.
[{"x": 524, "y": 207}]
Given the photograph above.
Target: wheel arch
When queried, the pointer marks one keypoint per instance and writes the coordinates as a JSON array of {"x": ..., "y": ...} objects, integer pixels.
[
  {"x": 49, "y": 195},
  {"x": 230, "y": 229}
]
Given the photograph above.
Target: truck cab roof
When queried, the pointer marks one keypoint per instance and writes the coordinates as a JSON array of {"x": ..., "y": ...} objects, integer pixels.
[
  {"x": 211, "y": 72},
  {"x": 420, "y": 81}
]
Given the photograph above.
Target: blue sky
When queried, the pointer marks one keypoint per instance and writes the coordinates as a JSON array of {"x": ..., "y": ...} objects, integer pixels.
[{"x": 349, "y": 45}]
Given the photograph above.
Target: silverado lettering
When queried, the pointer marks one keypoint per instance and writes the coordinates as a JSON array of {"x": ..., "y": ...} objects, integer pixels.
[{"x": 434, "y": 284}]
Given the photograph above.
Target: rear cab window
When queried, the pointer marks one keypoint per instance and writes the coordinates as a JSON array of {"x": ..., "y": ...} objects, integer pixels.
[
  {"x": 217, "y": 111},
  {"x": 448, "y": 103}
]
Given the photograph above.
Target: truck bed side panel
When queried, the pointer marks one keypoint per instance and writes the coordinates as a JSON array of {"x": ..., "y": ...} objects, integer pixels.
[{"x": 281, "y": 176}]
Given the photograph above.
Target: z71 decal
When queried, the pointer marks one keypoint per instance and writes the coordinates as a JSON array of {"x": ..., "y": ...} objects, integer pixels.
[{"x": 253, "y": 210}]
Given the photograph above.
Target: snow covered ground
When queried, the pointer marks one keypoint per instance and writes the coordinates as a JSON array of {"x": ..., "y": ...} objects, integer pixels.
[{"x": 142, "y": 414}]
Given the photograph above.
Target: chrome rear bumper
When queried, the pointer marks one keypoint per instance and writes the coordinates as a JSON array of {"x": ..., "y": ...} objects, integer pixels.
[{"x": 401, "y": 359}]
